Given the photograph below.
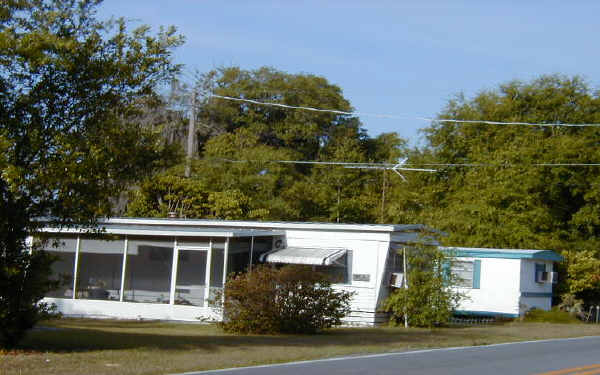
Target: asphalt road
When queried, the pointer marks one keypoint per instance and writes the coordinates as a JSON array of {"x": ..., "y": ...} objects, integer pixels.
[{"x": 552, "y": 357}]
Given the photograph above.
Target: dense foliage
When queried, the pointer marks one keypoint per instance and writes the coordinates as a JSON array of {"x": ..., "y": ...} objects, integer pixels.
[
  {"x": 291, "y": 299},
  {"x": 71, "y": 93},
  {"x": 431, "y": 296}
]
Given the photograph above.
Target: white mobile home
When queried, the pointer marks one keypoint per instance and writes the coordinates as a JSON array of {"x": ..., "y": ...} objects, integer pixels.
[
  {"x": 170, "y": 268},
  {"x": 504, "y": 282}
]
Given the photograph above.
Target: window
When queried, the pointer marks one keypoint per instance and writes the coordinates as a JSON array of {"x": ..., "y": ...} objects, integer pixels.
[
  {"x": 467, "y": 272},
  {"x": 100, "y": 269},
  {"x": 395, "y": 261},
  {"x": 540, "y": 273},
  {"x": 463, "y": 271},
  {"x": 63, "y": 269},
  {"x": 339, "y": 271}
]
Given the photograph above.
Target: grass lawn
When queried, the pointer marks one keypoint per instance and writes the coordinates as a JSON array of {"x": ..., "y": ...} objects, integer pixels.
[{"x": 79, "y": 346}]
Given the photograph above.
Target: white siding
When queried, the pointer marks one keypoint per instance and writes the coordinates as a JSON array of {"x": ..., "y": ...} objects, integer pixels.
[
  {"x": 369, "y": 253},
  {"x": 499, "y": 287}
]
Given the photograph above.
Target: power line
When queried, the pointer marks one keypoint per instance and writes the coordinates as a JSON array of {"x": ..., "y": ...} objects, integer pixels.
[
  {"x": 400, "y": 117},
  {"x": 413, "y": 166}
]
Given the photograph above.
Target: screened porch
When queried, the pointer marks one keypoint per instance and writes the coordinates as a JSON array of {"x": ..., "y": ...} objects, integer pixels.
[{"x": 156, "y": 269}]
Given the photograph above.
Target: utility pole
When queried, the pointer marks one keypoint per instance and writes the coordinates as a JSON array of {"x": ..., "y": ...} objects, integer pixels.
[
  {"x": 191, "y": 135},
  {"x": 381, "y": 220}
]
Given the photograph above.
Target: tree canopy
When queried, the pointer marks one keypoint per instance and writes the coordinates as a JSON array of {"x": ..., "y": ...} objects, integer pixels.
[{"x": 72, "y": 89}]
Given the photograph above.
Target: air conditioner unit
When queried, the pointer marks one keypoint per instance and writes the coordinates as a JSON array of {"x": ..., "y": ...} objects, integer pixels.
[
  {"x": 397, "y": 280},
  {"x": 541, "y": 276},
  {"x": 279, "y": 243},
  {"x": 554, "y": 277}
]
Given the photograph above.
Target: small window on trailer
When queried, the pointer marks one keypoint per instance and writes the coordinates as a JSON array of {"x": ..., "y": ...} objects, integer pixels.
[{"x": 468, "y": 273}]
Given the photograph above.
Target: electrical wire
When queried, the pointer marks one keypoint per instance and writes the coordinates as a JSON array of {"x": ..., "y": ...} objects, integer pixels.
[
  {"x": 412, "y": 166},
  {"x": 398, "y": 117}
]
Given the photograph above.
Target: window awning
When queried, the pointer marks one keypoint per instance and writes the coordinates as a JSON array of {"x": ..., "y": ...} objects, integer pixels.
[{"x": 304, "y": 255}]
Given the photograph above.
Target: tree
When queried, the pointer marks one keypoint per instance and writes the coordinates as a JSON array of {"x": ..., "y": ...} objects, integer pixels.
[
  {"x": 71, "y": 91},
  {"x": 509, "y": 200},
  {"x": 431, "y": 296},
  {"x": 291, "y": 299},
  {"x": 301, "y": 131}
]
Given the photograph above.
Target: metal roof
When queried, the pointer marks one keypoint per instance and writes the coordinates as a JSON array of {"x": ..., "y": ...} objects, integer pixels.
[
  {"x": 269, "y": 225},
  {"x": 164, "y": 230},
  {"x": 474, "y": 252}
]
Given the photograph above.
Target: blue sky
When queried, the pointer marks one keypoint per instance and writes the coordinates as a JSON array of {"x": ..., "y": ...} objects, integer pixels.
[{"x": 390, "y": 57}]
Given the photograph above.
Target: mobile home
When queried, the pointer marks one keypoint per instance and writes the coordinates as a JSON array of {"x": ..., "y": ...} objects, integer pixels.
[
  {"x": 170, "y": 268},
  {"x": 504, "y": 282}
]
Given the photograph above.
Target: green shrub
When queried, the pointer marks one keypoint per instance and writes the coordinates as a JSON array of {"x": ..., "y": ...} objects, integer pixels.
[
  {"x": 553, "y": 316},
  {"x": 291, "y": 299}
]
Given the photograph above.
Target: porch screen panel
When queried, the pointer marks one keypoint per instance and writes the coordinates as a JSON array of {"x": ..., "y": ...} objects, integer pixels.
[
  {"x": 148, "y": 270},
  {"x": 63, "y": 269},
  {"x": 99, "y": 271},
  {"x": 216, "y": 272},
  {"x": 191, "y": 277},
  {"x": 239, "y": 255}
]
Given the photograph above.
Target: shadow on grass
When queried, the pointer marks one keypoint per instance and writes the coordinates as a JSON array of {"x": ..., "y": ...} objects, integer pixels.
[{"x": 90, "y": 335}]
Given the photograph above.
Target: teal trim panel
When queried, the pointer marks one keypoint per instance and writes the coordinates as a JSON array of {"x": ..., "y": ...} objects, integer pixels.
[
  {"x": 476, "y": 274},
  {"x": 536, "y": 294},
  {"x": 468, "y": 252},
  {"x": 486, "y": 313}
]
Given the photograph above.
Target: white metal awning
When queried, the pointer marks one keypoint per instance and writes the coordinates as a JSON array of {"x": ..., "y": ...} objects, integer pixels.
[{"x": 304, "y": 255}]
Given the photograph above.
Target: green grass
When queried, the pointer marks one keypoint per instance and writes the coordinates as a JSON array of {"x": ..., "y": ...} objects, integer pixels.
[{"x": 78, "y": 346}]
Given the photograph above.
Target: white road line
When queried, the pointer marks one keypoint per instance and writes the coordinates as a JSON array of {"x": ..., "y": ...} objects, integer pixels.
[{"x": 380, "y": 355}]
